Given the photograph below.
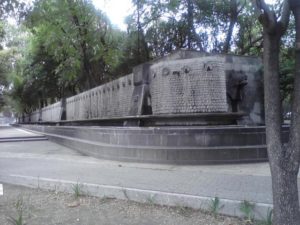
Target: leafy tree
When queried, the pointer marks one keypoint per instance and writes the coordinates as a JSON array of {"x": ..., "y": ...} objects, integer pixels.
[
  {"x": 284, "y": 158},
  {"x": 79, "y": 38}
]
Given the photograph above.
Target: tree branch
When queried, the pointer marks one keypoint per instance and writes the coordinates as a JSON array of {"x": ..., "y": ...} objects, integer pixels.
[
  {"x": 248, "y": 47},
  {"x": 285, "y": 16},
  {"x": 264, "y": 13}
]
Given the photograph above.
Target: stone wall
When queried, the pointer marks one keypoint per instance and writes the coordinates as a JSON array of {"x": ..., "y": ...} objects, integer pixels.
[
  {"x": 51, "y": 112},
  {"x": 252, "y": 102},
  {"x": 109, "y": 100},
  {"x": 184, "y": 82},
  {"x": 188, "y": 86}
]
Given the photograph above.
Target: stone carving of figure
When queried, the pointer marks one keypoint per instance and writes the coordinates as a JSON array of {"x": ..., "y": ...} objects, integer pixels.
[{"x": 235, "y": 83}]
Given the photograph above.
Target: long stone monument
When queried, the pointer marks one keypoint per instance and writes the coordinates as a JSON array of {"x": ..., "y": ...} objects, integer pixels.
[{"x": 187, "y": 107}]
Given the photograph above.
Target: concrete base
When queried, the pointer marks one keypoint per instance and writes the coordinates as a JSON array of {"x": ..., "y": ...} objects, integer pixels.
[
  {"x": 173, "y": 145},
  {"x": 180, "y": 119}
]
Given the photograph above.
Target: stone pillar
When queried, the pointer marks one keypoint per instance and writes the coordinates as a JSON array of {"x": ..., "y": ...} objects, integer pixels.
[
  {"x": 139, "y": 100},
  {"x": 63, "y": 113}
]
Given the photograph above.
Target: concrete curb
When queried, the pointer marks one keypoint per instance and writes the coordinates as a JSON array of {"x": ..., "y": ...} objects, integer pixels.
[{"x": 227, "y": 206}]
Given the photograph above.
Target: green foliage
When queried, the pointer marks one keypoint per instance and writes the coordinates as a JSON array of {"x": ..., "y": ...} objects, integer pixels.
[
  {"x": 151, "y": 199},
  {"x": 77, "y": 190},
  {"x": 247, "y": 209},
  {"x": 64, "y": 47},
  {"x": 19, "y": 219},
  {"x": 215, "y": 206},
  {"x": 269, "y": 218},
  {"x": 70, "y": 47}
]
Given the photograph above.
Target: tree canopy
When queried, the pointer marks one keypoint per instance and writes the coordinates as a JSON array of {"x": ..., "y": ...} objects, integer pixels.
[{"x": 63, "y": 47}]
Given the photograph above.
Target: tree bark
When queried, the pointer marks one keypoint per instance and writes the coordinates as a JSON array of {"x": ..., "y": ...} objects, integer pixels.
[
  {"x": 233, "y": 20},
  {"x": 272, "y": 98},
  {"x": 295, "y": 123},
  {"x": 284, "y": 178},
  {"x": 285, "y": 196},
  {"x": 190, "y": 20},
  {"x": 284, "y": 159}
]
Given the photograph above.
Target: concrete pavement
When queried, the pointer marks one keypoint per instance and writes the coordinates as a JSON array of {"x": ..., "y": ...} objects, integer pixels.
[
  {"x": 48, "y": 165},
  {"x": 9, "y": 134}
]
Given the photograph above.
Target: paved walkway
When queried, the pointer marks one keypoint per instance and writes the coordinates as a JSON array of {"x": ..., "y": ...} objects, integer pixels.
[
  {"x": 46, "y": 161},
  {"x": 9, "y": 134}
]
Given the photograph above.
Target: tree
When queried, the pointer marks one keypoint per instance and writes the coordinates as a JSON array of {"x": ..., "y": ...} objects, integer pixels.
[
  {"x": 284, "y": 158},
  {"x": 79, "y": 38},
  {"x": 70, "y": 47}
]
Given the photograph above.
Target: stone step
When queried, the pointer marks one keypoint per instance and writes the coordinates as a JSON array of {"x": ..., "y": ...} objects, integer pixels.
[
  {"x": 164, "y": 154},
  {"x": 169, "y": 137},
  {"x": 21, "y": 139}
]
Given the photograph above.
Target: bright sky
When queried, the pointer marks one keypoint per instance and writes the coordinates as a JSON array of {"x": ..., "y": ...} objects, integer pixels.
[{"x": 116, "y": 10}]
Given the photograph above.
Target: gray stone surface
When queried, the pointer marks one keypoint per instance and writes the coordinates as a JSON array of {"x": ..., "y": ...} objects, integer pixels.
[
  {"x": 175, "y": 145},
  {"x": 183, "y": 82},
  {"x": 111, "y": 99},
  {"x": 48, "y": 165},
  {"x": 188, "y": 86}
]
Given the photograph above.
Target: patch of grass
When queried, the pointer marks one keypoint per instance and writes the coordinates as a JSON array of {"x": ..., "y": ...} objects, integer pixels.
[
  {"x": 18, "y": 219},
  {"x": 247, "y": 209},
  {"x": 77, "y": 190},
  {"x": 269, "y": 218},
  {"x": 215, "y": 206},
  {"x": 150, "y": 199}
]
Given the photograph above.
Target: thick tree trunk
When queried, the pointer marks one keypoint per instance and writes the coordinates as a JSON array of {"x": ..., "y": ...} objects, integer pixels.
[
  {"x": 285, "y": 197},
  {"x": 272, "y": 97},
  {"x": 284, "y": 158},
  {"x": 284, "y": 175},
  {"x": 295, "y": 124}
]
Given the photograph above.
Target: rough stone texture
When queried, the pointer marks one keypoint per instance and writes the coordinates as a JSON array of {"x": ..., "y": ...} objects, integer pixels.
[
  {"x": 171, "y": 145},
  {"x": 182, "y": 83},
  {"x": 51, "y": 112},
  {"x": 109, "y": 100},
  {"x": 188, "y": 86},
  {"x": 251, "y": 67}
]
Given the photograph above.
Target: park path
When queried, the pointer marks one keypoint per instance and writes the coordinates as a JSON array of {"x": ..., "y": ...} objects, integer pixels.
[{"x": 29, "y": 162}]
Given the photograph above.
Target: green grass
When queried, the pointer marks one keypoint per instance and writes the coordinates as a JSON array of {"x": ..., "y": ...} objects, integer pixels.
[
  {"x": 77, "y": 190},
  {"x": 215, "y": 206},
  {"x": 151, "y": 199},
  {"x": 247, "y": 209},
  {"x": 18, "y": 219},
  {"x": 269, "y": 218}
]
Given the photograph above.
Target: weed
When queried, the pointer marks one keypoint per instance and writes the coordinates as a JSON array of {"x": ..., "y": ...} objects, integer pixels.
[
  {"x": 18, "y": 220},
  {"x": 77, "y": 190},
  {"x": 150, "y": 199},
  {"x": 125, "y": 194},
  {"x": 268, "y": 220},
  {"x": 215, "y": 206},
  {"x": 247, "y": 208}
]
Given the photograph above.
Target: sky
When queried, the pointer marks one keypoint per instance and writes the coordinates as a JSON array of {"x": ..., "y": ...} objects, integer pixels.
[{"x": 116, "y": 10}]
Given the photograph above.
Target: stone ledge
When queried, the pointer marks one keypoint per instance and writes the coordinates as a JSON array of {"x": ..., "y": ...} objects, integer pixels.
[{"x": 171, "y": 148}]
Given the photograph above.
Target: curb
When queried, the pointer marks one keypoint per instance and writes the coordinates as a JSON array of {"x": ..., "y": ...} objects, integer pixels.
[{"x": 227, "y": 206}]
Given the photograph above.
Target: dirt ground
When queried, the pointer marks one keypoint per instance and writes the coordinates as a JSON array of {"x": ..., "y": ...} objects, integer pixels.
[{"x": 40, "y": 207}]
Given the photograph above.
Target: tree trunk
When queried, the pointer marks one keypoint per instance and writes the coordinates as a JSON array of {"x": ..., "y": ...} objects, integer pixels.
[
  {"x": 285, "y": 197},
  {"x": 190, "y": 20},
  {"x": 295, "y": 123},
  {"x": 284, "y": 174},
  {"x": 272, "y": 98},
  {"x": 233, "y": 19}
]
